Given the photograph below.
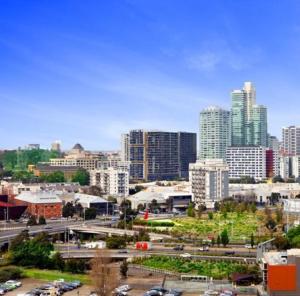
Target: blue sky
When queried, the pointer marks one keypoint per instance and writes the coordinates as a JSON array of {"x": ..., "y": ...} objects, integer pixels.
[{"x": 86, "y": 71}]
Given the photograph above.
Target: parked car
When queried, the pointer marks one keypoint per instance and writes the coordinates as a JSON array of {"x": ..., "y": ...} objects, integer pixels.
[
  {"x": 153, "y": 293},
  {"x": 185, "y": 255},
  {"x": 123, "y": 288},
  {"x": 248, "y": 246},
  {"x": 122, "y": 251},
  {"x": 17, "y": 284},
  {"x": 159, "y": 289}
]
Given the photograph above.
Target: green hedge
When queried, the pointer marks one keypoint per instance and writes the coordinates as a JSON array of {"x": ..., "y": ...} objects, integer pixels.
[
  {"x": 154, "y": 223},
  {"x": 10, "y": 273}
]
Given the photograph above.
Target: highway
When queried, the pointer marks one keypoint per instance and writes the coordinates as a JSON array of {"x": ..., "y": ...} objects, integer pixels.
[
  {"x": 59, "y": 227},
  {"x": 90, "y": 253}
]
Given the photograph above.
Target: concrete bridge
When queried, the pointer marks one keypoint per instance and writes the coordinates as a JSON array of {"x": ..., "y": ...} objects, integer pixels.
[{"x": 95, "y": 229}]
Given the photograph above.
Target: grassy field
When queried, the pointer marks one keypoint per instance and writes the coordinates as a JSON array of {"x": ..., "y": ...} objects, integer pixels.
[
  {"x": 240, "y": 226},
  {"x": 217, "y": 270},
  {"x": 51, "y": 275}
]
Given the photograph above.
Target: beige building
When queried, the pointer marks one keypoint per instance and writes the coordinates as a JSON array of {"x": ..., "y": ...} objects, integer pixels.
[{"x": 209, "y": 181}]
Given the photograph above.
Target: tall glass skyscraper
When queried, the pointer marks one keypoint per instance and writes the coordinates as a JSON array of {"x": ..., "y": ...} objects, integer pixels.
[
  {"x": 214, "y": 133},
  {"x": 248, "y": 120}
]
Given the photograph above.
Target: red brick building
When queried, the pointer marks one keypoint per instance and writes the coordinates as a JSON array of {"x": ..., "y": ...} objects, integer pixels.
[{"x": 42, "y": 203}]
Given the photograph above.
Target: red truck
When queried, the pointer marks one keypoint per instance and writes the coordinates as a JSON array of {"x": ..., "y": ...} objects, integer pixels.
[{"x": 143, "y": 246}]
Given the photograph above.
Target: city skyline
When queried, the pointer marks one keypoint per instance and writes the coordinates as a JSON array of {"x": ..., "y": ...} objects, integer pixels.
[{"x": 105, "y": 68}]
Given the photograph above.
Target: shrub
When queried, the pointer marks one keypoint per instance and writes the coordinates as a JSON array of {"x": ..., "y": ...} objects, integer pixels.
[{"x": 10, "y": 273}]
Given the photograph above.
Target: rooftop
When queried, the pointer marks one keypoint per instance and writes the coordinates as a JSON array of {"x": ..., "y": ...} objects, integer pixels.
[{"x": 40, "y": 197}]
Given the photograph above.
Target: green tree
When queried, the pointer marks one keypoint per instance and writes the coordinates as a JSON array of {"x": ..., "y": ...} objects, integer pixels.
[
  {"x": 224, "y": 237},
  {"x": 116, "y": 242},
  {"x": 32, "y": 221},
  {"x": 190, "y": 210},
  {"x": 42, "y": 220},
  {"x": 90, "y": 214},
  {"x": 154, "y": 206},
  {"x": 252, "y": 240},
  {"x": 210, "y": 215},
  {"x": 58, "y": 261},
  {"x": 34, "y": 252},
  {"x": 281, "y": 243},
  {"x": 55, "y": 177},
  {"x": 19, "y": 239},
  {"x": 124, "y": 268},
  {"x": 82, "y": 177},
  {"x": 68, "y": 210},
  {"x": 218, "y": 240}
]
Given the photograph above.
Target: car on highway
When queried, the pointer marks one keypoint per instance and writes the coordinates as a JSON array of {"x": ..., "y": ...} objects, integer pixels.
[
  {"x": 48, "y": 227},
  {"x": 178, "y": 248},
  {"x": 123, "y": 251},
  {"x": 203, "y": 249},
  {"x": 229, "y": 253},
  {"x": 248, "y": 246},
  {"x": 185, "y": 255}
]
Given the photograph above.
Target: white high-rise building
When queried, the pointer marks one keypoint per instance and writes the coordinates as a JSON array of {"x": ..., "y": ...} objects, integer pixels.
[
  {"x": 209, "y": 181},
  {"x": 125, "y": 147},
  {"x": 214, "y": 133},
  {"x": 250, "y": 94},
  {"x": 247, "y": 161},
  {"x": 291, "y": 140},
  {"x": 111, "y": 180}
]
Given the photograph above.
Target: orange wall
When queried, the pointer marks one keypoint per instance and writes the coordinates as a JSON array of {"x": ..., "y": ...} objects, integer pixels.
[{"x": 282, "y": 277}]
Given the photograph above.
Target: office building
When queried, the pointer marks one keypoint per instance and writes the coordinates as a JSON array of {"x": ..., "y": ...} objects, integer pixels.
[
  {"x": 157, "y": 155},
  {"x": 209, "y": 181},
  {"x": 274, "y": 145},
  {"x": 260, "y": 128},
  {"x": 247, "y": 161},
  {"x": 214, "y": 133},
  {"x": 248, "y": 120},
  {"x": 291, "y": 140},
  {"x": 112, "y": 181}
]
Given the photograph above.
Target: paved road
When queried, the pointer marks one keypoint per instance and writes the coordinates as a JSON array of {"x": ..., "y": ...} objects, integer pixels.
[
  {"x": 90, "y": 253},
  {"x": 7, "y": 235}
]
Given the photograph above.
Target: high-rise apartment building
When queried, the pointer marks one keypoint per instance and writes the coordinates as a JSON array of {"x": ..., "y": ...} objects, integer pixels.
[
  {"x": 291, "y": 140},
  {"x": 248, "y": 161},
  {"x": 209, "y": 181},
  {"x": 214, "y": 133},
  {"x": 157, "y": 155},
  {"x": 125, "y": 147},
  {"x": 113, "y": 181},
  {"x": 248, "y": 120}
]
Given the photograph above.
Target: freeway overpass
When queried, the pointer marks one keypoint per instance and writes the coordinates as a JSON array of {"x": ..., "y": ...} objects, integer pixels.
[
  {"x": 59, "y": 227},
  {"x": 95, "y": 229}
]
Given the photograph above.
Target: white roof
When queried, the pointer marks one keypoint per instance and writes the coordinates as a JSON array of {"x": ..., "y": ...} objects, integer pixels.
[
  {"x": 86, "y": 198},
  {"x": 40, "y": 197}
]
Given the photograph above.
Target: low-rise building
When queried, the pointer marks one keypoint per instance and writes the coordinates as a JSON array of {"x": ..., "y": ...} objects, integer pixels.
[
  {"x": 46, "y": 169},
  {"x": 42, "y": 203},
  {"x": 281, "y": 272},
  {"x": 102, "y": 206},
  {"x": 209, "y": 181},
  {"x": 168, "y": 198}
]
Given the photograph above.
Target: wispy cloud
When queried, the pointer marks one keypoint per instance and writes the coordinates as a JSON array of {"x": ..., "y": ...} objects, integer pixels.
[{"x": 213, "y": 55}]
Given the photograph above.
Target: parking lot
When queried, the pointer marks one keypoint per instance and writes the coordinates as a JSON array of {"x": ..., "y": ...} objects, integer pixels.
[{"x": 29, "y": 284}]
